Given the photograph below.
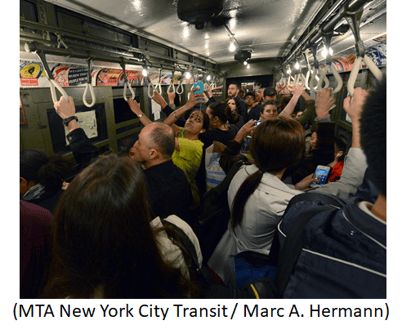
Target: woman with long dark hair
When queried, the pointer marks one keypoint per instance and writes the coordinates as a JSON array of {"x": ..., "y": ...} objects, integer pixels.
[
  {"x": 105, "y": 244},
  {"x": 257, "y": 196}
]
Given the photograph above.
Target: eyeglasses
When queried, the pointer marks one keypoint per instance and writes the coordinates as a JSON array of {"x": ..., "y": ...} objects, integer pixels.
[{"x": 249, "y": 98}]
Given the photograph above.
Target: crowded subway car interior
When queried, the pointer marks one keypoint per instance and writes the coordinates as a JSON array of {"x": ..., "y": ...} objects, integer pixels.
[{"x": 203, "y": 149}]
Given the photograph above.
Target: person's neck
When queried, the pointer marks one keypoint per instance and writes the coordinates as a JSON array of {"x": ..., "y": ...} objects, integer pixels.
[
  {"x": 190, "y": 136},
  {"x": 155, "y": 162},
  {"x": 379, "y": 208},
  {"x": 280, "y": 174}
]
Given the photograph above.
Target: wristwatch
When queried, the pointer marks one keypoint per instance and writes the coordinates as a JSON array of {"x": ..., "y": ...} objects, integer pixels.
[
  {"x": 69, "y": 119},
  {"x": 140, "y": 115}
]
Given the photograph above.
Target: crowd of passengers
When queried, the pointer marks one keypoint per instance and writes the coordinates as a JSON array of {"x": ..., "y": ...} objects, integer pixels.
[{"x": 96, "y": 227}]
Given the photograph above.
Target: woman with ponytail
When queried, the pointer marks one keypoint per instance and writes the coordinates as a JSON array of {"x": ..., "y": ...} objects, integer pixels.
[
  {"x": 257, "y": 196},
  {"x": 221, "y": 118}
]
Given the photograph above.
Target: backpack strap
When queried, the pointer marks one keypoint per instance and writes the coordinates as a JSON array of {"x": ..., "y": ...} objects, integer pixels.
[
  {"x": 292, "y": 247},
  {"x": 224, "y": 185}
]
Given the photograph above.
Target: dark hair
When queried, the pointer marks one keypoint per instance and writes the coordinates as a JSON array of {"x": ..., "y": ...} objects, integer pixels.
[
  {"x": 37, "y": 166},
  {"x": 270, "y": 91},
  {"x": 102, "y": 238},
  {"x": 284, "y": 102},
  {"x": 373, "y": 134},
  {"x": 205, "y": 119},
  {"x": 269, "y": 103},
  {"x": 236, "y": 99},
  {"x": 223, "y": 112},
  {"x": 250, "y": 94},
  {"x": 342, "y": 146},
  {"x": 163, "y": 137},
  {"x": 236, "y": 84},
  {"x": 276, "y": 144}
]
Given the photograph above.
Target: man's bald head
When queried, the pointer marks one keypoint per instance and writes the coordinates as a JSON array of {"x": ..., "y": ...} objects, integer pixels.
[{"x": 160, "y": 136}]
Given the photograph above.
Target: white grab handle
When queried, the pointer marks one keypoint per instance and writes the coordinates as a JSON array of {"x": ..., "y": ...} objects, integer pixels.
[
  {"x": 299, "y": 78},
  {"x": 312, "y": 80},
  {"x": 89, "y": 87},
  {"x": 306, "y": 79},
  {"x": 158, "y": 88},
  {"x": 171, "y": 88},
  {"x": 355, "y": 71},
  {"x": 149, "y": 90},
  {"x": 127, "y": 84},
  {"x": 323, "y": 77},
  {"x": 180, "y": 85},
  {"x": 373, "y": 68},
  {"x": 353, "y": 75},
  {"x": 53, "y": 85},
  {"x": 338, "y": 79},
  {"x": 289, "y": 79}
]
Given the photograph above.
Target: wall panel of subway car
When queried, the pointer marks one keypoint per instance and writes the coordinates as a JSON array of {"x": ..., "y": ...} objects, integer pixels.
[{"x": 202, "y": 149}]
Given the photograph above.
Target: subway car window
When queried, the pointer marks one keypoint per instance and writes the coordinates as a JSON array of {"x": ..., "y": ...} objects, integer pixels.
[{"x": 203, "y": 149}]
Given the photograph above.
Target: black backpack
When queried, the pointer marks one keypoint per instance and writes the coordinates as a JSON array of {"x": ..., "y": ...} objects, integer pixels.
[
  {"x": 281, "y": 259},
  {"x": 215, "y": 214}
]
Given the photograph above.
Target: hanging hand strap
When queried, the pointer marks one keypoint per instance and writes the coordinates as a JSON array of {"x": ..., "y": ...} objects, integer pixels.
[
  {"x": 126, "y": 83},
  {"x": 52, "y": 82},
  {"x": 89, "y": 87}
]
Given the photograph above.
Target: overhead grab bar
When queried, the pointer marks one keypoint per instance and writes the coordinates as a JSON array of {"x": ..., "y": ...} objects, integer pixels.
[
  {"x": 89, "y": 87},
  {"x": 31, "y": 47},
  {"x": 126, "y": 83}
]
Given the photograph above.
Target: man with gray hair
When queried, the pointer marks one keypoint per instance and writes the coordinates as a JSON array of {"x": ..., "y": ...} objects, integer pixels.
[{"x": 168, "y": 189}]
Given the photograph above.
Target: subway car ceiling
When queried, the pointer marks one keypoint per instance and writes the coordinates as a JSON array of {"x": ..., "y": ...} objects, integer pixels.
[
  {"x": 119, "y": 38},
  {"x": 135, "y": 30}
]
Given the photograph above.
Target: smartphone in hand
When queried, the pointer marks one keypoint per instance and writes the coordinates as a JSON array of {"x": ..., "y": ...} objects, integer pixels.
[
  {"x": 321, "y": 173},
  {"x": 200, "y": 89}
]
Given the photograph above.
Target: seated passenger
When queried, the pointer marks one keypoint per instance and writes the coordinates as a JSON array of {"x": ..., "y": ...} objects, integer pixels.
[
  {"x": 42, "y": 177},
  {"x": 105, "y": 244},
  {"x": 257, "y": 196},
  {"x": 35, "y": 240},
  {"x": 323, "y": 148},
  {"x": 344, "y": 252},
  {"x": 339, "y": 161}
]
